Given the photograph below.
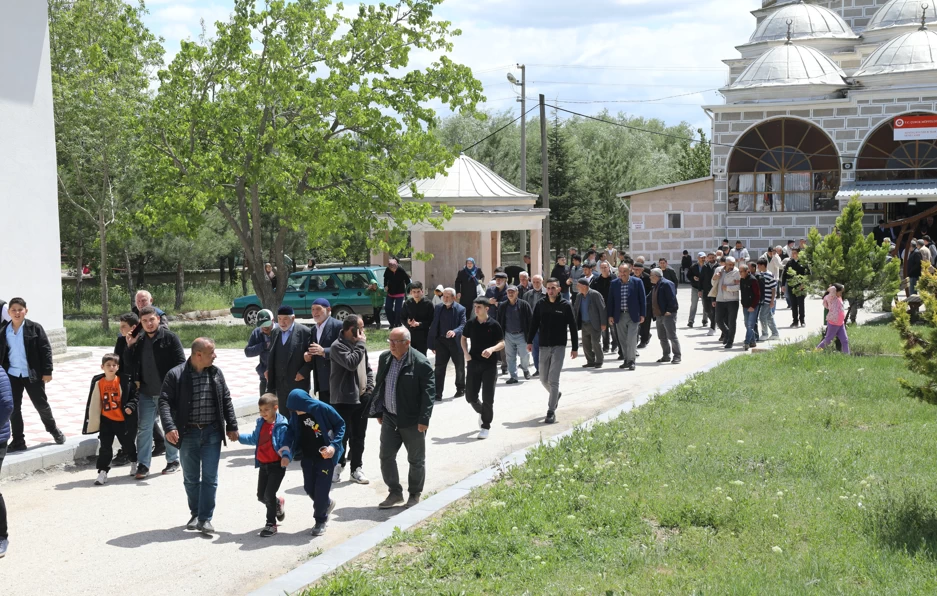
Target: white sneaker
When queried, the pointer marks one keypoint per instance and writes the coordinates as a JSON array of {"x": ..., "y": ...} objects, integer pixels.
[
  {"x": 775, "y": 337},
  {"x": 483, "y": 433},
  {"x": 711, "y": 332},
  {"x": 763, "y": 338},
  {"x": 102, "y": 478},
  {"x": 359, "y": 477},
  {"x": 337, "y": 474}
]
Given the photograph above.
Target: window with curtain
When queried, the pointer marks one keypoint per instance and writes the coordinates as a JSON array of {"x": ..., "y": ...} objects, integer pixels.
[{"x": 784, "y": 165}]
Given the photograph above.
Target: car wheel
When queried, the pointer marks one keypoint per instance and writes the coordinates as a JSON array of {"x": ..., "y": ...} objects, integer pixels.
[
  {"x": 250, "y": 316},
  {"x": 342, "y": 312}
]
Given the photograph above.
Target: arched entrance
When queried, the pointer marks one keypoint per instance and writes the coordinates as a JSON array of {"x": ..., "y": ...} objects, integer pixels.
[
  {"x": 784, "y": 164},
  {"x": 883, "y": 158}
]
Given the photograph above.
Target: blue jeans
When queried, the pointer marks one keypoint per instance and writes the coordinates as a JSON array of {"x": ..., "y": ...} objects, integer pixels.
[
  {"x": 392, "y": 308},
  {"x": 516, "y": 345},
  {"x": 146, "y": 418},
  {"x": 201, "y": 451},
  {"x": 536, "y": 351},
  {"x": 751, "y": 326}
]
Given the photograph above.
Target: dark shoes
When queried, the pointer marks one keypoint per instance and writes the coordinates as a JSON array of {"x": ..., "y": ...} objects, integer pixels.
[
  {"x": 205, "y": 527},
  {"x": 536, "y": 373},
  {"x": 392, "y": 500},
  {"x": 14, "y": 447},
  {"x": 171, "y": 468},
  {"x": 193, "y": 523},
  {"x": 511, "y": 381},
  {"x": 729, "y": 345},
  {"x": 690, "y": 324},
  {"x": 676, "y": 360},
  {"x": 663, "y": 360},
  {"x": 459, "y": 393},
  {"x": 526, "y": 375},
  {"x": 588, "y": 365},
  {"x": 318, "y": 529},
  {"x": 551, "y": 417},
  {"x": 59, "y": 436},
  {"x": 413, "y": 500},
  {"x": 142, "y": 472},
  {"x": 120, "y": 460},
  {"x": 627, "y": 365},
  {"x": 642, "y": 345},
  {"x": 268, "y": 531}
]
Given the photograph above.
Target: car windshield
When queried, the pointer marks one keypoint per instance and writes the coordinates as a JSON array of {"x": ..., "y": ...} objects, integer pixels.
[{"x": 295, "y": 283}]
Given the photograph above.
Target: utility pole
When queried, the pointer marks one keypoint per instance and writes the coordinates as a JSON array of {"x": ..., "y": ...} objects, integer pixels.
[
  {"x": 523, "y": 233},
  {"x": 545, "y": 177}
]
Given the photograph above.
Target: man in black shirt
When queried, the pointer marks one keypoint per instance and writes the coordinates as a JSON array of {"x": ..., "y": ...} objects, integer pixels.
[
  {"x": 486, "y": 338},
  {"x": 395, "y": 284},
  {"x": 417, "y": 316},
  {"x": 644, "y": 333},
  {"x": 601, "y": 284}
]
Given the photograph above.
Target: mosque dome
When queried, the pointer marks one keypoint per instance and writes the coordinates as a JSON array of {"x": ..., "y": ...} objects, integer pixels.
[
  {"x": 897, "y": 17},
  {"x": 809, "y": 24},
  {"x": 911, "y": 53},
  {"x": 788, "y": 71}
]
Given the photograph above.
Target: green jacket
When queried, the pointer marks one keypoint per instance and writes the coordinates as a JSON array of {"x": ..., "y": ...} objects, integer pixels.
[
  {"x": 377, "y": 297},
  {"x": 416, "y": 389}
]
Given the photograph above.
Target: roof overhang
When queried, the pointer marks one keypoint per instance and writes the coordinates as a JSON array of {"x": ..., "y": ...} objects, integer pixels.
[
  {"x": 628, "y": 195},
  {"x": 890, "y": 191}
]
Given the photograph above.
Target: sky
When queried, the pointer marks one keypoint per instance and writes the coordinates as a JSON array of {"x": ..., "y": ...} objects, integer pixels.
[{"x": 644, "y": 57}]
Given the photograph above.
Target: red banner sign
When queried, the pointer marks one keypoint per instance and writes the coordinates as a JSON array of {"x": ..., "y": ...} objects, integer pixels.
[{"x": 913, "y": 128}]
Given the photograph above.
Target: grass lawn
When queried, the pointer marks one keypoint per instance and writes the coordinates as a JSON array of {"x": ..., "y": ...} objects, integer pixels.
[
  {"x": 785, "y": 472},
  {"x": 198, "y": 296},
  {"x": 88, "y": 333}
]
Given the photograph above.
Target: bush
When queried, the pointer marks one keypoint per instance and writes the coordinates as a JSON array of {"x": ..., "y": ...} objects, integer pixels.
[{"x": 920, "y": 346}]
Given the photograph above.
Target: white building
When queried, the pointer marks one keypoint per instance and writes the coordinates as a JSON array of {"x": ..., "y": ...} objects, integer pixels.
[
  {"x": 29, "y": 244},
  {"x": 808, "y": 121}
]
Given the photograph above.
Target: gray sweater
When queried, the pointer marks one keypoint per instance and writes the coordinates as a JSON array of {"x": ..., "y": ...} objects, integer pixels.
[{"x": 345, "y": 377}]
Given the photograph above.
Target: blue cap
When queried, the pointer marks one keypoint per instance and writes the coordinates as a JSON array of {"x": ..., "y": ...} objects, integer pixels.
[
  {"x": 285, "y": 310},
  {"x": 321, "y": 302}
]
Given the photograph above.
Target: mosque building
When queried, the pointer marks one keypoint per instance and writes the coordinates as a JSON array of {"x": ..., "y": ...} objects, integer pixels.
[{"x": 828, "y": 99}]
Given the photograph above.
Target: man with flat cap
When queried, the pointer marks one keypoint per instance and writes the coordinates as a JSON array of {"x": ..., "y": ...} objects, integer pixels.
[{"x": 287, "y": 368}]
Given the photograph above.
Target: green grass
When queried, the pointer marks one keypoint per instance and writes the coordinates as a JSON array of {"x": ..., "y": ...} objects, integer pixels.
[
  {"x": 88, "y": 333},
  {"x": 198, "y": 296},
  {"x": 784, "y": 472}
]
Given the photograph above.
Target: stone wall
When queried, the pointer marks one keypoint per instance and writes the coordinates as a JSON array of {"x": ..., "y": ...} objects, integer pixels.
[
  {"x": 856, "y": 13},
  {"x": 654, "y": 240}
]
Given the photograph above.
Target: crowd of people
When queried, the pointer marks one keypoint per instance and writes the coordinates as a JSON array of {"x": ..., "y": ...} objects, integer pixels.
[{"x": 318, "y": 390}]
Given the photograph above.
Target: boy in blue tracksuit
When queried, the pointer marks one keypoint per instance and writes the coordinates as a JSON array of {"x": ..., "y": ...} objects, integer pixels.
[
  {"x": 315, "y": 435},
  {"x": 271, "y": 458}
]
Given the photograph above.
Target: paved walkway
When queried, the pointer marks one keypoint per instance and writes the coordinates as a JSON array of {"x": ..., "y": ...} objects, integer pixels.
[{"x": 129, "y": 527}]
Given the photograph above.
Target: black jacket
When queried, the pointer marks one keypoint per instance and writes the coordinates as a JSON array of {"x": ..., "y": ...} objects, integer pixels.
[
  {"x": 561, "y": 273},
  {"x": 38, "y": 349},
  {"x": 175, "y": 397},
  {"x": 526, "y": 315},
  {"x": 914, "y": 265},
  {"x": 706, "y": 279},
  {"x": 416, "y": 389},
  {"x": 127, "y": 367},
  {"x": 793, "y": 267},
  {"x": 167, "y": 352},
  {"x": 552, "y": 319},
  {"x": 601, "y": 285},
  {"x": 422, "y": 313},
  {"x": 396, "y": 281},
  {"x": 466, "y": 287},
  {"x": 696, "y": 271},
  {"x": 299, "y": 341},
  {"x": 321, "y": 366},
  {"x": 671, "y": 275}
]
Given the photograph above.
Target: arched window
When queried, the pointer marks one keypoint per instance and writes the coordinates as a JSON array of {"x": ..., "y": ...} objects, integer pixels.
[
  {"x": 784, "y": 165},
  {"x": 884, "y": 158}
]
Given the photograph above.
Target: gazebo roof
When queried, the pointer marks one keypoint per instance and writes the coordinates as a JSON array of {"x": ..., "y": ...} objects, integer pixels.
[{"x": 467, "y": 182}]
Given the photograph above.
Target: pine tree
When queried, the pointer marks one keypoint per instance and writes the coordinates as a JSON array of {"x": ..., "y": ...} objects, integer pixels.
[
  {"x": 693, "y": 159},
  {"x": 846, "y": 256},
  {"x": 920, "y": 352}
]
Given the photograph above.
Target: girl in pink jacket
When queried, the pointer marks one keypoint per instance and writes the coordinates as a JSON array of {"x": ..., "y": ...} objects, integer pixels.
[{"x": 835, "y": 318}]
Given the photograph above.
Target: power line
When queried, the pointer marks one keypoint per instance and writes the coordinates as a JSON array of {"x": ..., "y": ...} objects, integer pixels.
[
  {"x": 473, "y": 145},
  {"x": 687, "y": 68},
  {"x": 634, "y": 100}
]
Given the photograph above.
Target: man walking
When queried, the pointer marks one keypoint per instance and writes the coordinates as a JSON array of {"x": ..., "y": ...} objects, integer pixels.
[
  {"x": 395, "y": 284},
  {"x": 695, "y": 275},
  {"x": 327, "y": 330},
  {"x": 915, "y": 261},
  {"x": 706, "y": 286},
  {"x": 141, "y": 300},
  {"x": 196, "y": 409},
  {"x": 156, "y": 352},
  {"x": 798, "y": 296},
  {"x": 601, "y": 284},
  {"x": 740, "y": 254},
  {"x": 535, "y": 295},
  {"x": 668, "y": 273},
  {"x": 417, "y": 317},
  {"x": 664, "y": 307},
  {"x": 626, "y": 309},
  {"x": 644, "y": 334},
  {"x": 514, "y": 317},
  {"x": 726, "y": 281},
  {"x": 552, "y": 317},
  {"x": 751, "y": 297},
  {"x": 589, "y": 311},
  {"x": 486, "y": 338},
  {"x": 286, "y": 365},
  {"x": 26, "y": 356},
  {"x": 404, "y": 391},
  {"x": 350, "y": 379},
  {"x": 259, "y": 345},
  {"x": 769, "y": 290},
  {"x": 448, "y": 324}
]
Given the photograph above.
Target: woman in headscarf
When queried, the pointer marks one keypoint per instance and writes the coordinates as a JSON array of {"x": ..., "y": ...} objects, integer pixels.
[{"x": 466, "y": 284}]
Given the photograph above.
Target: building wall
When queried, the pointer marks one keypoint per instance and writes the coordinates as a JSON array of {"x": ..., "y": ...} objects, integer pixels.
[
  {"x": 655, "y": 240},
  {"x": 856, "y": 13},
  {"x": 450, "y": 249},
  {"x": 29, "y": 246}
]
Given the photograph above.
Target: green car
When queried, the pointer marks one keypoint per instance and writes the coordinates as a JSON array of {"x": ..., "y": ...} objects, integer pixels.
[{"x": 343, "y": 287}]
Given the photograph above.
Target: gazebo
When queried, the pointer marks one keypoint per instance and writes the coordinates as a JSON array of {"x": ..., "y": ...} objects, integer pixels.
[{"x": 485, "y": 206}]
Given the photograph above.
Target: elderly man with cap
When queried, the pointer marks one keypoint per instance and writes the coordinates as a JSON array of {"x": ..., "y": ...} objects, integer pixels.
[
  {"x": 324, "y": 334},
  {"x": 727, "y": 280},
  {"x": 259, "y": 345},
  {"x": 396, "y": 281},
  {"x": 444, "y": 340},
  {"x": 287, "y": 368},
  {"x": 417, "y": 316},
  {"x": 486, "y": 338},
  {"x": 497, "y": 295},
  {"x": 589, "y": 312},
  {"x": 664, "y": 308},
  {"x": 514, "y": 316}
]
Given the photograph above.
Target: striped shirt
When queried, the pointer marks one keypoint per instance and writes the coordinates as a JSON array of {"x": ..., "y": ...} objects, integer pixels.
[
  {"x": 390, "y": 384},
  {"x": 625, "y": 291},
  {"x": 771, "y": 285},
  {"x": 203, "y": 409}
]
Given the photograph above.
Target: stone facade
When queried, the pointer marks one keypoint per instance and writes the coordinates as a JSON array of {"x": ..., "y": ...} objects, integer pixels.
[{"x": 650, "y": 233}]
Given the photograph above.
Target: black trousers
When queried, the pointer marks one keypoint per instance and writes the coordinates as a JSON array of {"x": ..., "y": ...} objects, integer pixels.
[
  {"x": 644, "y": 333},
  {"x": 269, "y": 477},
  {"x": 3, "y": 507},
  {"x": 708, "y": 311},
  {"x": 124, "y": 433},
  {"x": 798, "y": 304},
  {"x": 356, "y": 426},
  {"x": 448, "y": 348},
  {"x": 377, "y": 316},
  {"x": 418, "y": 340},
  {"x": 482, "y": 377},
  {"x": 727, "y": 315},
  {"x": 37, "y": 394}
]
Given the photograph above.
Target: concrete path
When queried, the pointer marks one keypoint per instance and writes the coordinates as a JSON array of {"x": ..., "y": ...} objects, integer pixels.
[{"x": 68, "y": 536}]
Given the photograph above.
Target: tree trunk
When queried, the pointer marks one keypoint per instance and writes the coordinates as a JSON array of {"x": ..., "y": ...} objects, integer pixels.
[
  {"x": 232, "y": 271},
  {"x": 79, "y": 276},
  {"x": 129, "y": 270},
  {"x": 244, "y": 275},
  {"x": 102, "y": 236},
  {"x": 141, "y": 271},
  {"x": 180, "y": 287},
  {"x": 221, "y": 263}
]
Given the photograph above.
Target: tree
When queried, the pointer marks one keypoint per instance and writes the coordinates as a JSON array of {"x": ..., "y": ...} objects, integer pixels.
[
  {"x": 102, "y": 57},
  {"x": 846, "y": 256},
  {"x": 694, "y": 159},
  {"x": 298, "y": 116},
  {"x": 920, "y": 349}
]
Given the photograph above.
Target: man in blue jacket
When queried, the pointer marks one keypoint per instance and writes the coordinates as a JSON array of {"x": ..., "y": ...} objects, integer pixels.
[
  {"x": 259, "y": 345},
  {"x": 627, "y": 307},
  {"x": 6, "y": 410},
  {"x": 327, "y": 330},
  {"x": 443, "y": 340},
  {"x": 664, "y": 308}
]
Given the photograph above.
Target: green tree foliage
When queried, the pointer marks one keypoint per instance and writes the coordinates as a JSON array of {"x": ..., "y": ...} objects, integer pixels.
[
  {"x": 920, "y": 348},
  {"x": 298, "y": 116},
  {"x": 856, "y": 261},
  {"x": 693, "y": 158},
  {"x": 102, "y": 61}
]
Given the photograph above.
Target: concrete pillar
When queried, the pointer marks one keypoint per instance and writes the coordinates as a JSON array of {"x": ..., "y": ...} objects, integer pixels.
[
  {"x": 486, "y": 259},
  {"x": 536, "y": 252},
  {"x": 496, "y": 248},
  {"x": 418, "y": 243},
  {"x": 522, "y": 247}
]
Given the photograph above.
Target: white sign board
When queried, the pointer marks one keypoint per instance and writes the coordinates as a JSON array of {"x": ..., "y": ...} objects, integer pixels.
[
  {"x": 915, "y": 128},
  {"x": 637, "y": 225}
]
